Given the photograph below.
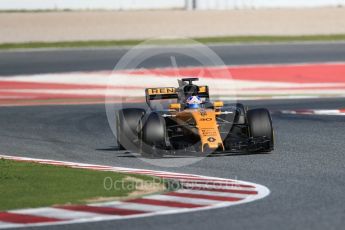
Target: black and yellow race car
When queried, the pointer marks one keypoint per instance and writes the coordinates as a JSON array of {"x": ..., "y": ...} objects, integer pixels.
[{"x": 192, "y": 124}]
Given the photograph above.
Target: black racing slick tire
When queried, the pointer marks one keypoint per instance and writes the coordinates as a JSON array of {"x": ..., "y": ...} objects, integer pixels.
[
  {"x": 260, "y": 125},
  {"x": 127, "y": 128},
  {"x": 153, "y": 135}
]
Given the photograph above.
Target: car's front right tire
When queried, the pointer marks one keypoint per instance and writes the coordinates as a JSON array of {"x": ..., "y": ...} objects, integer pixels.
[{"x": 260, "y": 125}]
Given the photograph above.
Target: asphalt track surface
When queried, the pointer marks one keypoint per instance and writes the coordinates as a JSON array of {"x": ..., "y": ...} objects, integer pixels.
[
  {"x": 65, "y": 60},
  {"x": 305, "y": 173}
]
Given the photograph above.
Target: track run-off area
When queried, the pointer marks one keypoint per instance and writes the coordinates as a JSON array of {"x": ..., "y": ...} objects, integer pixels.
[
  {"x": 53, "y": 108},
  {"x": 193, "y": 193},
  {"x": 242, "y": 82}
]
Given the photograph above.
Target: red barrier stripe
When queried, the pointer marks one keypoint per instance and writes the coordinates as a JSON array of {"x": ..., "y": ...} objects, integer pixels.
[
  {"x": 25, "y": 219},
  {"x": 195, "y": 179},
  {"x": 308, "y": 73},
  {"x": 247, "y": 192},
  {"x": 101, "y": 210},
  {"x": 41, "y": 96},
  {"x": 166, "y": 203},
  {"x": 300, "y": 87},
  {"x": 168, "y": 175},
  {"x": 68, "y": 101},
  {"x": 202, "y": 196},
  {"x": 212, "y": 183},
  {"x": 58, "y": 86}
]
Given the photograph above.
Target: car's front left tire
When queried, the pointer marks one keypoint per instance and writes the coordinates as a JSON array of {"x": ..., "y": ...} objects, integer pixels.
[
  {"x": 153, "y": 135},
  {"x": 127, "y": 127}
]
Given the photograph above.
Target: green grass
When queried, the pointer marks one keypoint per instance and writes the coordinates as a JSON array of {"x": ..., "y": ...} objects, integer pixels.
[
  {"x": 29, "y": 185},
  {"x": 205, "y": 40}
]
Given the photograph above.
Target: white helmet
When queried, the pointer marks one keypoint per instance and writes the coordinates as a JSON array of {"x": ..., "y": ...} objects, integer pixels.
[{"x": 193, "y": 102}]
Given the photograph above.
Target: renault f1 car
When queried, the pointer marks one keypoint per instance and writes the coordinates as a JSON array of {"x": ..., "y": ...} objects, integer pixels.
[{"x": 193, "y": 124}]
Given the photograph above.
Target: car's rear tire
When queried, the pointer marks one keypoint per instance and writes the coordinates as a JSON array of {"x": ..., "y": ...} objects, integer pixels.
[
  {"x": 260, "y": 125},
  {"x": 153, "y": 135},
  {"x": 127, "y": 128}
]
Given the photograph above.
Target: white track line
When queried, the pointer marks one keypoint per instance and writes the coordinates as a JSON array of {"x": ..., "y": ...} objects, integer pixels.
[
  {"x": 136, "y": 206},
  {"x": 215, "y": 186},
  {"x": 57, "y": 213},
  {"x": 221, "y": 194},
  {"x": 184, "y": 200},
  {"x": 4, "y": 225},
  {"x": 332, "y": 112}
]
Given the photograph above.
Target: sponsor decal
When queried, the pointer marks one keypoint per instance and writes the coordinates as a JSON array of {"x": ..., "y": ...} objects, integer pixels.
[
  {"x": 160, "y": 91},
  {"x": 206, "y": 119},
  {"x": 208, "y": 132},
  {"x": 211, "y": 139},
  {"x": 202, "y": 89}
]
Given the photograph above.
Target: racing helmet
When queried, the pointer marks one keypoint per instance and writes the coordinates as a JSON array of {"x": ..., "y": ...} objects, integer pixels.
[{"x": 193, "y": 102}]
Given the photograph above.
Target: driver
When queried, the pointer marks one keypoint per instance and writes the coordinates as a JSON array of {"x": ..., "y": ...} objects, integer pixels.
[{"x": 193, "y": 102}]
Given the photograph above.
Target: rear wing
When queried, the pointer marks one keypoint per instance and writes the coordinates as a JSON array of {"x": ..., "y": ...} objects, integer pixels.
[
  {"x": 170, "y": 93},
  {"x": 161, "y": 93}
]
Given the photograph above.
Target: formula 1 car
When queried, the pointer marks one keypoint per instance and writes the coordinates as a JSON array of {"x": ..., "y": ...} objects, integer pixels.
[{"x": 199, "y": 126}]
